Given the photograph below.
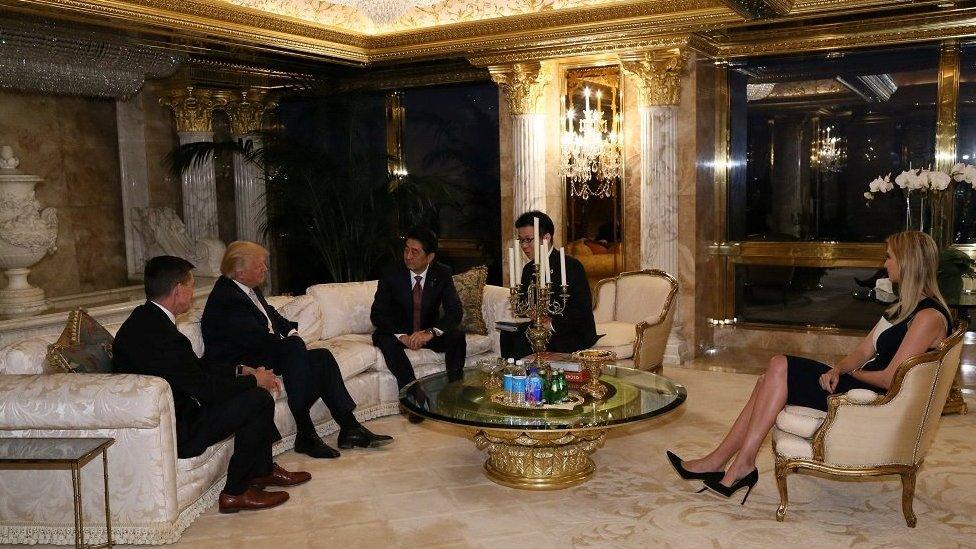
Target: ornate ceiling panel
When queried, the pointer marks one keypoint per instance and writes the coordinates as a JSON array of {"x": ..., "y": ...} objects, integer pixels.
[{"x": 374, "y": 17}]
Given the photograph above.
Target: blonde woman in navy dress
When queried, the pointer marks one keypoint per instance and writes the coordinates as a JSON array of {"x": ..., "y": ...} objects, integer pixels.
[{"x": 915, "y": 323}]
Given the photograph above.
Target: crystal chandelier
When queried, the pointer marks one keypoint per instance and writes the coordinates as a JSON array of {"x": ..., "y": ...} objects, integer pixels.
[
  {"x": 590, "y": 152},
  {"x": 384, "y": 12},
  {"x": 827, "y": 151}
]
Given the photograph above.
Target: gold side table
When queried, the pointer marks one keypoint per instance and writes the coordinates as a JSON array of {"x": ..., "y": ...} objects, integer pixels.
[{"x": 62, "y": 453}]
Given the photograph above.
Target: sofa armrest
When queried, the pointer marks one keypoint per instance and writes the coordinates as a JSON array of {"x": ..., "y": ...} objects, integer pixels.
[
  {"x": 135, "y": 410},
  {"x": 495, "y": 307},
  {"x": 652, "y": 340},
  {"x": 83, "y": 401}
]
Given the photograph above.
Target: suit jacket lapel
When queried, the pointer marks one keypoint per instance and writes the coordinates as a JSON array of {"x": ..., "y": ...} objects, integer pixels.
[{"x": 241, "y": 294}]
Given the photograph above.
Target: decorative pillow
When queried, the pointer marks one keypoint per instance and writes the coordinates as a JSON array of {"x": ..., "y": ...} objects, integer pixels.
[
  {"x": 471, "y": 289},
  {"x": 306, "y": 312},
  {"x": 84, "y": 346}
]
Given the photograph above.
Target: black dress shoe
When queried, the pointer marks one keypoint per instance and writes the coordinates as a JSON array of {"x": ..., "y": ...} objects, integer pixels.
[
  {"x": 312, "y": 445},
  {"x": 746, "y": 482},
  {"x": 362, "y": 437}
]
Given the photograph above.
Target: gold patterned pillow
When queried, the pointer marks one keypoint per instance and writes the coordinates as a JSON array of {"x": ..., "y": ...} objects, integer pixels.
[
  {"x": 83, "y": 347},
  {"x": 471, "y": 289}
]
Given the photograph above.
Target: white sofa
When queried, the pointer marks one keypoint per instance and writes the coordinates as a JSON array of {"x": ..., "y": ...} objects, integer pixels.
[{"x": 154, "y": 495}]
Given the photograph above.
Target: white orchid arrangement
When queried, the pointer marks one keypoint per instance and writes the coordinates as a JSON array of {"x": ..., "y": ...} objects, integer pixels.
[{"x": 922, "y": 180}]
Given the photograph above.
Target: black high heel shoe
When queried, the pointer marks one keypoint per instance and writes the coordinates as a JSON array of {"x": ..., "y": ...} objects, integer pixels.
[
  {"x": 691, "y": 475},
  {"x": 747, "y": 482}
]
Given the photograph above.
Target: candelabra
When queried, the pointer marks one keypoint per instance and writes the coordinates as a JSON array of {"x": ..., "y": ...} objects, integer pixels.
[{"x": 538, "y": 303}]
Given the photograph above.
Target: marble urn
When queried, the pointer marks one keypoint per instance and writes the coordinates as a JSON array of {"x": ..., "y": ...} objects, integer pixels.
[{"x": 27, "y": 234}]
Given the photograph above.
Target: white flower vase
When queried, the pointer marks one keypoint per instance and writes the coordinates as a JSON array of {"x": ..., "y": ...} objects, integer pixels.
[{"x": 27, "y": 234}]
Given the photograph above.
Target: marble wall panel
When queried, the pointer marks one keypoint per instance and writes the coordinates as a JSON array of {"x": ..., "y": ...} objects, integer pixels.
[
  {"x": 161, "y": 138},
  {"x": 631, "y": 187},
  {"x": 788, "y": 342},
  {"x": 686, "y": 186},
  {"x": 555, "y": 185},
  {"x": 708, "y": 229},
  {"x": 506, "y": 178},
  {"x": 71, "y": 143}
]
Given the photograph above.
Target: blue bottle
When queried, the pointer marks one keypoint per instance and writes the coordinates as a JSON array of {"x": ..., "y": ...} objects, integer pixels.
[{"x": 533, "y": 387}]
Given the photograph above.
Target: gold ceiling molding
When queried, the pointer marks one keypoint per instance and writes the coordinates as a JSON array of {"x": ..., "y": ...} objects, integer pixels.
[
  {"x": 656, "y": 74},
  {"x": 522, "y": 85},
  {"x": 757, "y": 9},
  {"x": 603, "y": 29}
]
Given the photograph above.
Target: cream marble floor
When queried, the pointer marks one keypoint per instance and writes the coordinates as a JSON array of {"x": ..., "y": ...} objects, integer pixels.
[{"x": 428, "y": 490}]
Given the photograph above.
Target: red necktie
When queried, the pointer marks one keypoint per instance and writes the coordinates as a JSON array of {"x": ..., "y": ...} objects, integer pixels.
[{"x": 418, "y": 291}]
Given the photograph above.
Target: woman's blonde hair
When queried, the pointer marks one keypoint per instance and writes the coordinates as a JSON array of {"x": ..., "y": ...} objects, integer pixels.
[
  {"x": 237, "y": 254},
  {"x": 918, "y": 259}
]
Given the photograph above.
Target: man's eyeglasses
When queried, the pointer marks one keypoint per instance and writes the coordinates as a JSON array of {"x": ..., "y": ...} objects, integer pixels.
[{"x": 528, "y": 240}]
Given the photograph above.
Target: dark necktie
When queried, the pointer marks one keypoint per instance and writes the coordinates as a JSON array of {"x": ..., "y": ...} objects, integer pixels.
[{"x": 418, "y": 291}]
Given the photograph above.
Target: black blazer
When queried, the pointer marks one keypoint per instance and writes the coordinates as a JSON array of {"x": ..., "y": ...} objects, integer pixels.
[
  {"x": 148, "y": 343},
  {"x": 392, "y": 311},
  {"x": 575, "y": 329},
  {"x": 234, "y": 330}
]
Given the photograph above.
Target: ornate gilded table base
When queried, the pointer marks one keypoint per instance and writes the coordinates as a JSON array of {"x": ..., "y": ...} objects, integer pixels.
[
  {"x": 539, "y": 460},
  {"x": 955, "y": 403}
]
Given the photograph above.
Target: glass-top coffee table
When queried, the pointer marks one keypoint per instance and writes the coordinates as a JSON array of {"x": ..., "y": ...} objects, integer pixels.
[{"x": 542, "y": 449}]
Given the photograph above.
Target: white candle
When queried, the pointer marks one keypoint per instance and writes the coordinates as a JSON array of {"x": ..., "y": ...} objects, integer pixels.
[
  {"x": 536, "y": 242},
  {"x": 562, "y": 263},
  {"x": 586, "y": 94},
  {"x": 511, "y": 267},
  {"x": 545, "y": 262}
]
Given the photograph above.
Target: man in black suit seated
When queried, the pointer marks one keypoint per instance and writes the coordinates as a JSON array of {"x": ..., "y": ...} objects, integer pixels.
[
  {"x": 575, "y": 328},
  {"x": 240, "y": 331},
  {"x": 208, "y": 408},
  {"x": 407, "y": 311}
]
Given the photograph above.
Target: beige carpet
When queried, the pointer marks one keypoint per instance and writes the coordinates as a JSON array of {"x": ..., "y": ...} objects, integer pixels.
[{"x": 428, "y": 489}]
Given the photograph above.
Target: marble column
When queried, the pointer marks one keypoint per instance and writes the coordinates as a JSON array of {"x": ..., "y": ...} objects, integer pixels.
[
  {"x": 193, "y": 109},
  {"x": 657, "y": 76},
  {"x": 523, "y": 85},
  {"x": 246, "y": 111}
]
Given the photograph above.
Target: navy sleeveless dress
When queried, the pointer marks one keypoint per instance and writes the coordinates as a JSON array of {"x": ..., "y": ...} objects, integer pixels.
[{"x": 803, "y": 374}]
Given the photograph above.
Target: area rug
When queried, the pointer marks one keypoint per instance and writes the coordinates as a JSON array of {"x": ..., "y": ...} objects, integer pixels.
[{"x": 429, "y": 490}]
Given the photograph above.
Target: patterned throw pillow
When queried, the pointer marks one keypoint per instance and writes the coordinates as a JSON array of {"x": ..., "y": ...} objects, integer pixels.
[
  {"x": 471, "y": 289},
  {"x": 83, "y": 347}
]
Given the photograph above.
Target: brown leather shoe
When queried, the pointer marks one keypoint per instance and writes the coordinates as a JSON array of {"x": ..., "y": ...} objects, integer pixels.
[
  {"x": 281, "y": 477},
  {"x": 251, "y": 500}
]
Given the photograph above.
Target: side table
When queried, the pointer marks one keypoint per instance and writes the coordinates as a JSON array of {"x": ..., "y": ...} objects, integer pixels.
[{"x": 62, "y": 453}]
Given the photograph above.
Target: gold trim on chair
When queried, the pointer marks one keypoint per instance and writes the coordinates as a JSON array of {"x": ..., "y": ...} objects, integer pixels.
[
  {"x": 644, "y": 325},
  {"x": 907, "y": 471}
]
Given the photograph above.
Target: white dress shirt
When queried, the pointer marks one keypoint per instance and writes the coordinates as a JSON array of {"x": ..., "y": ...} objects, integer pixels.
[
  {"x": 257, "y": 303},
  {"x": 169, "y": 315},
  {"x": 413, "y": 282}
]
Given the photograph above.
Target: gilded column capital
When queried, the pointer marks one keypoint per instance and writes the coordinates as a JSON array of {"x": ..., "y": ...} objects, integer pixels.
[
  {"x": 657, "y": 75},
  {"x": 246, "y": 109},
  {"x": 523, "y": 84},
  {"x": 193, "y": 107}
]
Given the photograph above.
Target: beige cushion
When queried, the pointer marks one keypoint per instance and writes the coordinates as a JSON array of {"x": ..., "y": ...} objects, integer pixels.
[
  {"x": 792, "y": 446},
  {"x": 862, "y": 396},
  {"x": 25, "y": 357},
  {"x": 615, "y": 334},
  {"x": 470, "y": 286},
  {"x": 306, "y": 312},
  {"x": 800, "y": 421},
  {"x": 354, "y": 352},
  {"x": 345, "y": 307}
]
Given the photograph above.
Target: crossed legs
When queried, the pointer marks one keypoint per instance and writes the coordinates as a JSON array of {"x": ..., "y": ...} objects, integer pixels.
[{"x": 750, "y": 429}]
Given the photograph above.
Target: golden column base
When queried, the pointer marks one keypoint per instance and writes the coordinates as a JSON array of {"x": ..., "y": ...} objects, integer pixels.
[{"x": 539, "y": 460}]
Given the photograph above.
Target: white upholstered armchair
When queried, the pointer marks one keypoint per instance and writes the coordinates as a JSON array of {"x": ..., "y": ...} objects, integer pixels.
[
  {"x": 866, "y": 434},
  {"x": 634, "y": 311}
]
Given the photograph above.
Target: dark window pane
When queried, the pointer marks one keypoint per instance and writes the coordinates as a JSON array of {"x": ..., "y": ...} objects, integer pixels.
[
  {"x": 818, "y": 129},
  {"x": 780, "y": 294}
]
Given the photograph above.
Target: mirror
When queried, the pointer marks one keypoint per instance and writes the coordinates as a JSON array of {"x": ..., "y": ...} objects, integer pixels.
[{"x": 592, "y": 164}]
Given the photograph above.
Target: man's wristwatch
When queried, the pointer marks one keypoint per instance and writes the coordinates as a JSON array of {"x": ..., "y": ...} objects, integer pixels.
[{"x": 430, "y": 331}]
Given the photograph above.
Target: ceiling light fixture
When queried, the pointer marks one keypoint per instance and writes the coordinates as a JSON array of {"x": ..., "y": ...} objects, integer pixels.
[{"x": 385, "y": 12}]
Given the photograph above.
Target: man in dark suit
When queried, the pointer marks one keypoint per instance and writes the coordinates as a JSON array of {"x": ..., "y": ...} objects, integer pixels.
[
  {"x": 575, "y": 328},
  {"x": 240, "y": 331},
  {"x": 208, "y": 408},
  {"x": 407, "y": 311}
]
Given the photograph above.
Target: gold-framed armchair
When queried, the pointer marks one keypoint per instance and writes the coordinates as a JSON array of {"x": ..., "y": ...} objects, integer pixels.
[
  {"x": 865, "y": 434},
  {"x": 635, "y": 310}
]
